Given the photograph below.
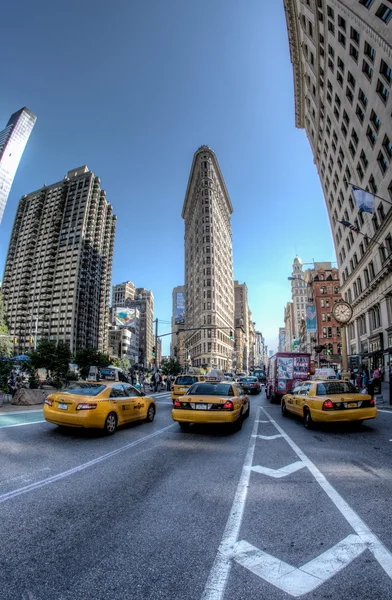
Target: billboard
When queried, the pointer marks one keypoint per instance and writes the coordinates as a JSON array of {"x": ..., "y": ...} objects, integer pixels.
[
  {"x": 126, "y": 317},
  {"x": 311, "y": 319},
  {"x": 285, "y": 368},
  {"x": 179, "y": 315}
]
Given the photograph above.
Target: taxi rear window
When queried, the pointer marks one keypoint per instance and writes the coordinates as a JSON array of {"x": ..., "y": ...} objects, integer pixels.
[
  {"x": 83, "y": 389},
  {"x": 211, "y": 389},
  {"x": 185, "y": 380},
  {"x": 335, "y": 387}
]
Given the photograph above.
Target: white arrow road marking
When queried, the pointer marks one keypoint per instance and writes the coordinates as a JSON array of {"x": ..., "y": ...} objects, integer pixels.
[
  {"x": 268, "y": 437},
  {"x": 380, "y": 552},
  {"x": 258, "y": 421},
  {"x": 291, "y": 580},
  {"x": 278, "y": 473}
]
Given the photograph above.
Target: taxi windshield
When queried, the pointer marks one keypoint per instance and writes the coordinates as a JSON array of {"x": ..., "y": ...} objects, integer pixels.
[
  {"x": 335, "y": 387},
  {"x": 185, "y": 380},
  {"x": 248, "y": 379},
  {"x": 83, "y": 388},
  {"x": 211, "y": 389}
]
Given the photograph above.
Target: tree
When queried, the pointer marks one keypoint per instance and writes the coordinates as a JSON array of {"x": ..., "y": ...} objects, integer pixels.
[
  {"x": 5, "y": 340},
  {"x": 170, "y": 366},
  {"x": 90, "y": 357},
  {"x": 52, "y": 356}
]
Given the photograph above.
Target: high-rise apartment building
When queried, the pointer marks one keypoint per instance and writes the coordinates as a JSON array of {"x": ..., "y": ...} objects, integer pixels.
[
  {"x": 127, "y": 295},
  {"x": 341, "y": 51},
  {"x": 298, "y": 295},
  {"x": 122, "y": 292},
  {"x": 282, "y": 339},
  {"x": 59, "y": 264},
  {"x": 177, "y": 348},
  {"x": 241, "y": 322},
  {"x": 289, "y": 326},
  {"x": 209, "y": 284},
  {"x": 13, "y": 140}
]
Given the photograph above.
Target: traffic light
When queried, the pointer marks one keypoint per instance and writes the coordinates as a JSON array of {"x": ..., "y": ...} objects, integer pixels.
[
  {"x": 329, "y": 348},
  {"x": 15, "y": 340},
  {"x": 231, "y": 335},
  {"x": 153, "y": 351},
  {"x": 31, "y": 339}
]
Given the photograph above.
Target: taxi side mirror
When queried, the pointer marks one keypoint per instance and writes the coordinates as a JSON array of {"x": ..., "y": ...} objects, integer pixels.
[{"x": 142, "y": 394}]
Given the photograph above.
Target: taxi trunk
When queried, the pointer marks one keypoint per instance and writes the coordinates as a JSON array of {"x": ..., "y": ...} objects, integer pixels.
[
  {"x": 205, "y": 409},
  {"x": 352, "y": 407},
  {"x": 62, "y": 409}
]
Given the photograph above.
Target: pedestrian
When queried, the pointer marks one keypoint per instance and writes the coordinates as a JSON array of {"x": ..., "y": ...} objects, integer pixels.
[
  {"x": 156, "y": 381},
  {"x": 359, "y": 380},
  {"x": 352, "y": 377},
  {"x": 377, "y": 381},
  {"x": 168, "y": 383}
]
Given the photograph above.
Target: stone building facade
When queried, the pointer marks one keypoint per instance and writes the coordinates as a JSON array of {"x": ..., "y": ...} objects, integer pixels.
[
  {"x": 341, "y": 51},
  {"x": 209, "y": 283}
]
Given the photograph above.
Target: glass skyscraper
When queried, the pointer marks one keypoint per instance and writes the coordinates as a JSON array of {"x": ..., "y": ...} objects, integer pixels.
[{"x": 13, "y": 140}]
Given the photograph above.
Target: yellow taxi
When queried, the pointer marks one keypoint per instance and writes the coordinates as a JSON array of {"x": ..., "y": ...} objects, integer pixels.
[
  {"x": 212, "y": 402},
  {"x": 328, "y": 401},
  {"x": 182, "y": 383},
  {"x": 99, "y": 405}
]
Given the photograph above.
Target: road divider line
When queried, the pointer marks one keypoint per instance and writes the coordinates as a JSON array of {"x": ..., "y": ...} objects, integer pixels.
[
  {"x": 21, "y": 424},
  {"x": 384, "y": 411},
  {"x": 379, "y": 551},
  {"x": 38, "y": 484},
  {"x": 217, "y": 579},
  {"x": 268, "y": 437}
]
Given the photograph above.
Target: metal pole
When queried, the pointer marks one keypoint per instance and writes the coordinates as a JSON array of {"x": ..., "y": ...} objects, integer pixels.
[
  {"x": 36, "y": 333},
  {"x": 345, "y": 373},
  {"x": 156, "y": 346}
]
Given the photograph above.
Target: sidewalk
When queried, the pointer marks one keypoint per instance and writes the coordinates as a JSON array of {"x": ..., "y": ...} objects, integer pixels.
[{"x": 382, "y": 400}]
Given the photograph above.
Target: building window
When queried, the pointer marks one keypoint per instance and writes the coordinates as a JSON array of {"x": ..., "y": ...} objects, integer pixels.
[
  {"x": 364, "y": 159},
  {"x": 387, "y": 146},
  {"x": 342, "y": 39},
  {"x": 369, "y": 51},
  {"x": 371, "y": 136},
  {"x": 382, "y": 91},
  {"x": 382, "y": 162},
  {"x": 342, "y": 22},
  {"x": 384, "y": 13},
  {"x": 386, "y": 71},
  {"x": 349, "y": 95},
  {"x": 354, "y": 35},
  {"x": 362, "y": 98},
  {"x": 366, "y": 3},
  {"x": 367, "y": 69},
  {"x": 354, "y": 53}
]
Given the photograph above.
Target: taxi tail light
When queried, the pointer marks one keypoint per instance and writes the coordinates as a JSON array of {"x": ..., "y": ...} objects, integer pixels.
[
  {"x": 255, "y": 385},
  {"x": 371, "y": 402},
  {"x": 328, "y": 405},
  {"x": 85, "y": 406},
  {"x": 228, "y": 405},
  {"x": 48, "y": 401},
  {"x": 177, "y": 404}
]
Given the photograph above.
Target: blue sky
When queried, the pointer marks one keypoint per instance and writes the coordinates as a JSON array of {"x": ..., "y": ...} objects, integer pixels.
[{"x": 132, "y": 89}]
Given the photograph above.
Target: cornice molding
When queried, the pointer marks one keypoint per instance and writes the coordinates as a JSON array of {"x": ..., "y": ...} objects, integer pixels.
[{"x": 292, "y": 21}]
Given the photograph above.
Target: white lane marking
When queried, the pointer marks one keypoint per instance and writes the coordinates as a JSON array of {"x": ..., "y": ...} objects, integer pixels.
[
  {"x": 384, "y": 411},
  {"x": 305, "y": 579},
  {"x": 269, "y": 437},
  {"x": 216, "y": 582},
  {"x": 278, "y": 473},
  {"x": 19, "y": 412},
  {"x": 20, "y": 424},
  {"x": 379, "y": 551},
  {"x": 262, "y": 421},
  {"x": 90, "y": 463}
]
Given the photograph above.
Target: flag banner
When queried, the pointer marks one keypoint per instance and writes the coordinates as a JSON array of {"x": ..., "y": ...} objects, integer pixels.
[
  {"x": 311, "y": 318},
  {"x": 364, "y": 200},
  {"x": 349, "y": 225}
]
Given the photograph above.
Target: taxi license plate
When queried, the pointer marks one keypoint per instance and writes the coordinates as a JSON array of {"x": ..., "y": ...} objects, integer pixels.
[
  {"x": 352, "y": 405},
  {"x": 62, "y": 406},
  {"x": 201, "y": 406}
]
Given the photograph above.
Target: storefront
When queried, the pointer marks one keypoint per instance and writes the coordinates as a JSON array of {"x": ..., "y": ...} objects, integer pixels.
[
  {"x": 376, "y": 351},
  {"x": 388, "y": 354}
]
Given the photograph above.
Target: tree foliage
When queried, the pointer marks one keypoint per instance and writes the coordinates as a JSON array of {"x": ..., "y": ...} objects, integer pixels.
[
  {"x": 53, "y": 356},
  {"x": 170, "y": 366},
  {"x": 90, "y": 357},
  {"x": 5, "y": 340}
]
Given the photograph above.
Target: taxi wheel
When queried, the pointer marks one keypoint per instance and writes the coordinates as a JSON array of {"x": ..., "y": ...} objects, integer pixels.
[
  {"x": 237, "y": 425},
  {"x": 285, "y": 412},
  {"x": 308, "y": 419},
  {"x": 110, "y": 423},
  {"x": 246, "y": 415},
  {"x": 150, "y": 414}
]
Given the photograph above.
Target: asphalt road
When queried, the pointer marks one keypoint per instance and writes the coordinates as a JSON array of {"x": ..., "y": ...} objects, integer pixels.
[{"x": 271, "y": 512}]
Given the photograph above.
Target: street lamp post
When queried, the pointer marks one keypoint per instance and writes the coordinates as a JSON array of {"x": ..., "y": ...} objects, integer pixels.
[{"x": 36, "y": 317}]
